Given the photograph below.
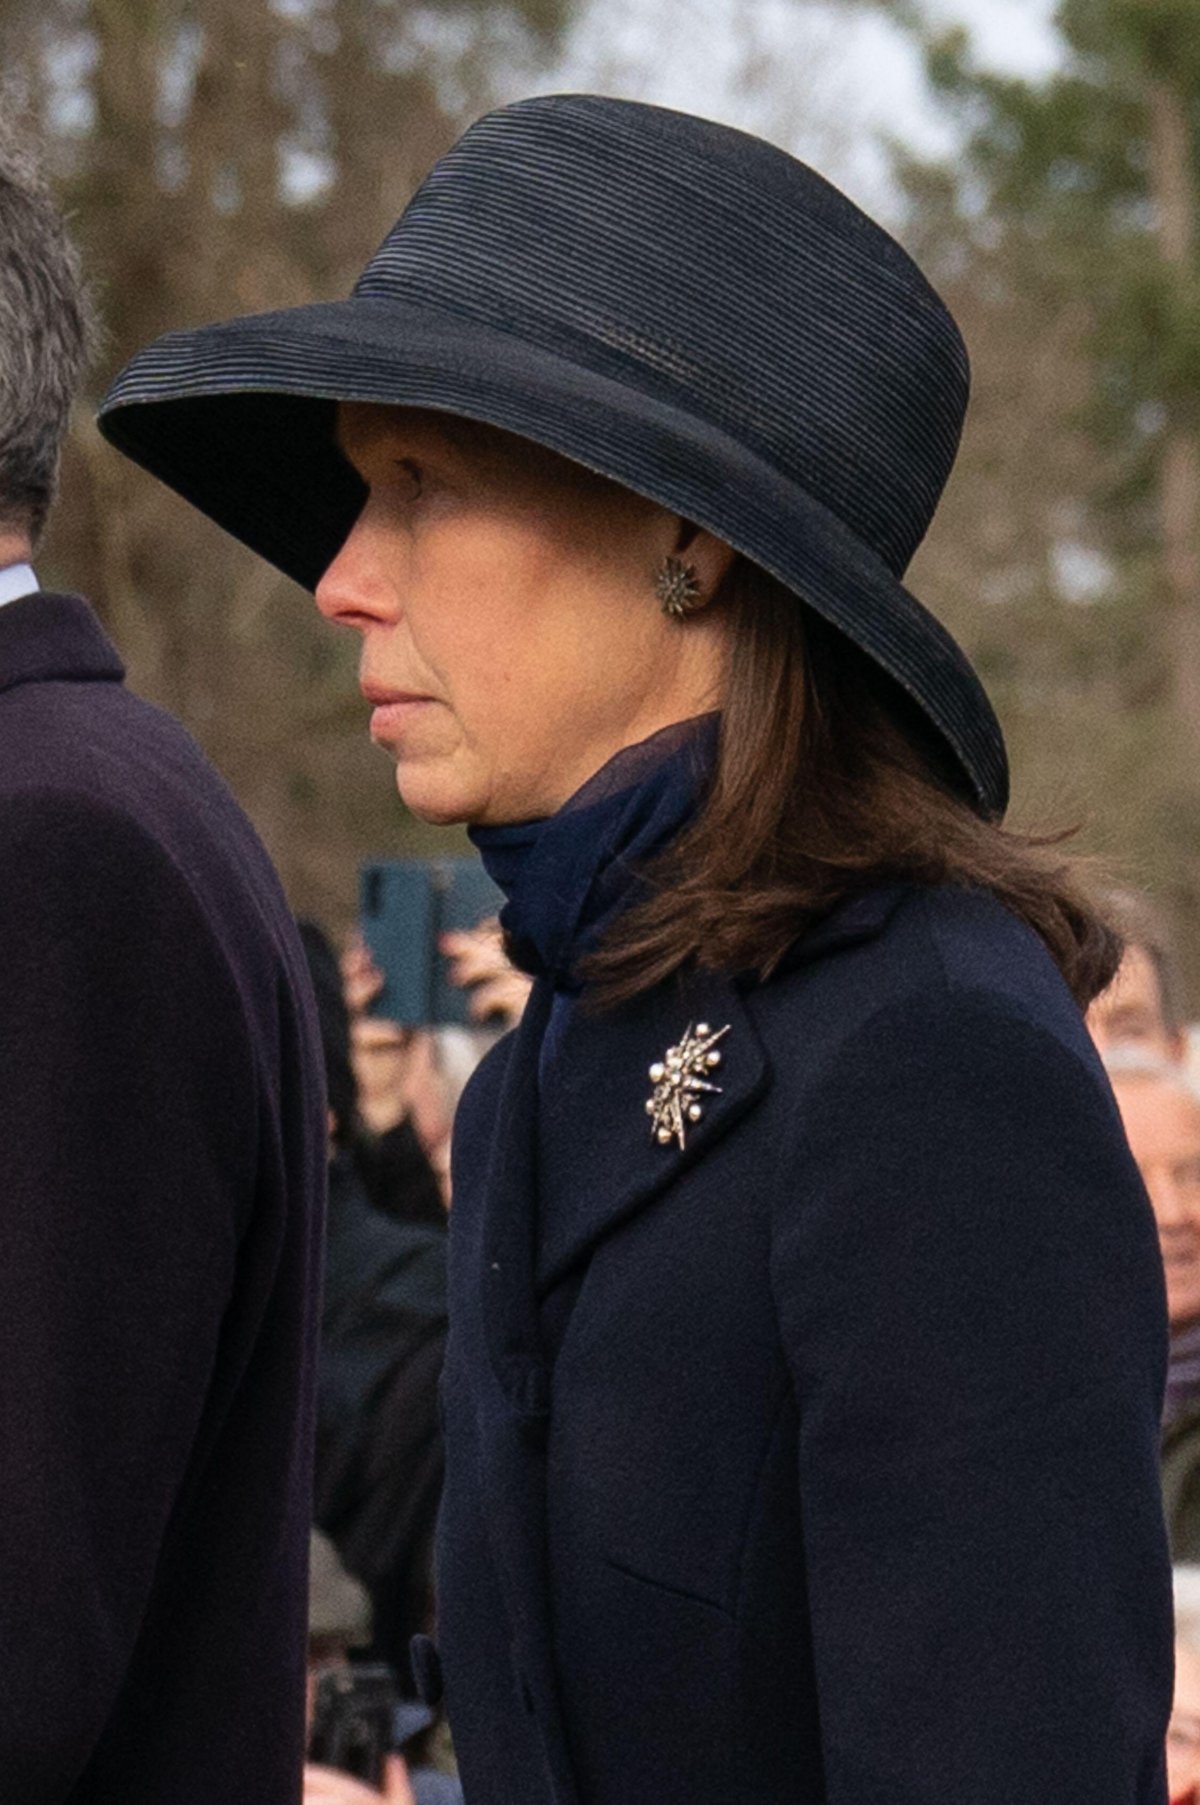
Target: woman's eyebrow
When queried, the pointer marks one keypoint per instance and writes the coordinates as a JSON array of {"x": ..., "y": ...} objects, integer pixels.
[
  {"x": 403, "y": 448},
  {"x": 377, "y": 451},
  {"x": 450, "y": 441}
]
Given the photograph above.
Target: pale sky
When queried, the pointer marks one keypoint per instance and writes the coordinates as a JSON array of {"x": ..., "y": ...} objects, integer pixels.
[{"x": 823, "y": 80}]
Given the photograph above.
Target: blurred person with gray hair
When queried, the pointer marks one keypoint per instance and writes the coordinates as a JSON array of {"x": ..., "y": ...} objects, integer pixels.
[
  {"x": 162, "y": 1162},
  {"x": 1143, "y": 1006},
  {"x": 1160, "y": 1108}
]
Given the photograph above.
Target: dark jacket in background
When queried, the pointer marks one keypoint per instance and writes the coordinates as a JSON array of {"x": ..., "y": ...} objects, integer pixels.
[
  {"x": 816, "y": 1464},
  {"x": 379, "y": 1441},
  {"x": 1181, "y": 1444},
  {"x": 1181, "y": 1483},
  {"x": 398, "y": 1176},
  {"x": 162, "y": 1160}
]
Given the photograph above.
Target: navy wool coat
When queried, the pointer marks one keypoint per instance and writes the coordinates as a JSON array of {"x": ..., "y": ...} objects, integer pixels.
[
  {"x": 162, "y": 1160},
  {"x": 816, "y": 1463}
]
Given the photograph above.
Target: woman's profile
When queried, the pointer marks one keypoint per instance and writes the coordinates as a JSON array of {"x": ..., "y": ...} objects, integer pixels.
[{"x": 807, "y": 1329}]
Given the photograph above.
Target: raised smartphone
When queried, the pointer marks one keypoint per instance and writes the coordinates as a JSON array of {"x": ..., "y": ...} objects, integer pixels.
[{"x": 405, "y": 905}]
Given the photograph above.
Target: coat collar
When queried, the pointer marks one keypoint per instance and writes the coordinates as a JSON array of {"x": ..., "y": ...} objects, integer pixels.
[
  {"x": 52, "y": 638},
  {"x": 599, "y": 1159},
  {"x": 857, "y": 919}
]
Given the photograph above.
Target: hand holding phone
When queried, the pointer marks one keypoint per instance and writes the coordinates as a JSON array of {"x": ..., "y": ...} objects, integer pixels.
[
  {"x": 478, "y": 964},
  {"x": 353, "y": 1722},
  {"x": 406, "y": 907},
  {"x": 326, "y": 1786}
]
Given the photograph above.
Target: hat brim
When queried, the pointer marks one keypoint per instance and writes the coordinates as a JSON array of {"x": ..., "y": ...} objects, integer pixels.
[{"x": 238, "y": 419}]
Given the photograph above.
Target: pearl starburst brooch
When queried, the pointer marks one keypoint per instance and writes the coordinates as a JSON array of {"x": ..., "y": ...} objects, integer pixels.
[{"x": 680, "y": 1079}]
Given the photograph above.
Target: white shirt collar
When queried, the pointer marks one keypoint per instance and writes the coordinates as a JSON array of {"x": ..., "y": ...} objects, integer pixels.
[{"x": 17, "y": 580}]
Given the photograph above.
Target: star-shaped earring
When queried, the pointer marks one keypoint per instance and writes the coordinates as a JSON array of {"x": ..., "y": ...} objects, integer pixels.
[{"x": 678, "y": 589}]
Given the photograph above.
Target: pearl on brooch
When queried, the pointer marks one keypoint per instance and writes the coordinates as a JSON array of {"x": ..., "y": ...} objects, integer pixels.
[{"x": 679, "y": 1083}]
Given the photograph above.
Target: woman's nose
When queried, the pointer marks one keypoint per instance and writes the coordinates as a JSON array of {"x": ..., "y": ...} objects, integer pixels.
[{"x": 354, "y": 591}]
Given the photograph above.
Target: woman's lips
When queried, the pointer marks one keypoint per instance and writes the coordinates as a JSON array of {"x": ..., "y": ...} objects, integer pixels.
[{"x": 390, "y": 719}]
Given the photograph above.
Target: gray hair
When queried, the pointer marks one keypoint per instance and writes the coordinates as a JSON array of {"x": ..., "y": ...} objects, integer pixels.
[{"x": 45, "y": 333}]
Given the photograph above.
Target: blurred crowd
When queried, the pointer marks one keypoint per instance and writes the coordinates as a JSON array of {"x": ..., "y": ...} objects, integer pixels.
[{"x": 393, "y": 1092}]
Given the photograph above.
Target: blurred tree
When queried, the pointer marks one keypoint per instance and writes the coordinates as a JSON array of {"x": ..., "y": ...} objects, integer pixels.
[
  {"x": 216, "y": 157},
  {"x": 1064, "y": 233}
]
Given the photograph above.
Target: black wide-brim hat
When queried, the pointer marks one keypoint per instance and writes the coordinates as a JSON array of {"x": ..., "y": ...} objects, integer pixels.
[{"x": 674, "y": 304}]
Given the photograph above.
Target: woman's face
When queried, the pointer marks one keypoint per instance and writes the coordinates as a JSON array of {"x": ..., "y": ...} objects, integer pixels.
[{"x": 512, "y": 640}]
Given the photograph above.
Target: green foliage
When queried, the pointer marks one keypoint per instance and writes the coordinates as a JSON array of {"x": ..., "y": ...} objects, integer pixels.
[
  {"x": 1133, "y": 40},
  {"x": 1063, "y": 152},
  {"x": 1148, "y": 350}
]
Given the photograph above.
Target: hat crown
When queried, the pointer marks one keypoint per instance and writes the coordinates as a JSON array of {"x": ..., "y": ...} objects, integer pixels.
[{"x": 711, "y": 270}]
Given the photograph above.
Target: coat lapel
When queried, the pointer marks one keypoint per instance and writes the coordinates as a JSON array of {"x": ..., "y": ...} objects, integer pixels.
[
  {"x": 597, "y": 1134},
  {"x": 600, "y": 1159},
  {"x": 572, "y": 1155}
]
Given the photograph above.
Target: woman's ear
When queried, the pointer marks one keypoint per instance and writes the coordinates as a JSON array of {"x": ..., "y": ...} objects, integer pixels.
[{"x": 708, "y": 556}]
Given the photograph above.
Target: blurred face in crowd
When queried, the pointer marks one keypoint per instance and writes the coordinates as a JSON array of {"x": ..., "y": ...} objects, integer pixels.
[
  {"x": 1162, "y": 1121},
  {"x": 1130, "y": 1012},
  {"x": 512, "y": 639},
  {"x": 1183, "y": 1735}
]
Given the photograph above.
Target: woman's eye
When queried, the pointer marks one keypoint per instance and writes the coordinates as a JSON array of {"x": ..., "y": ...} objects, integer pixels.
[{"x": 412, "y": 473}]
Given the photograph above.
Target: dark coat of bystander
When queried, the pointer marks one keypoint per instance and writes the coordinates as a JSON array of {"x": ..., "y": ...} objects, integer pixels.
[
  {"x": 162, "y": 1161},
  {"x": 1181, "y": 1483}
]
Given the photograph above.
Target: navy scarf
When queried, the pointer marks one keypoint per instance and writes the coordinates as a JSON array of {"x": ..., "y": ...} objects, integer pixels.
[{"x": 567, "y": 877}]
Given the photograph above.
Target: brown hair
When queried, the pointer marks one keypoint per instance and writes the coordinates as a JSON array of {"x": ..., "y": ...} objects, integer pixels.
[{"x": 828, "y": 781}]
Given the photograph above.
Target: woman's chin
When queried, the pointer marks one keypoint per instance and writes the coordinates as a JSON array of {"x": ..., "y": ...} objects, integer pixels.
[{"x": 441, "y": 804}]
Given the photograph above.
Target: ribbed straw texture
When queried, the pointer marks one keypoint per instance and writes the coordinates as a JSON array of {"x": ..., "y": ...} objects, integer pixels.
[
  {"x": 676, "y": 304},
  {"x": 774, "y": 309}
]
